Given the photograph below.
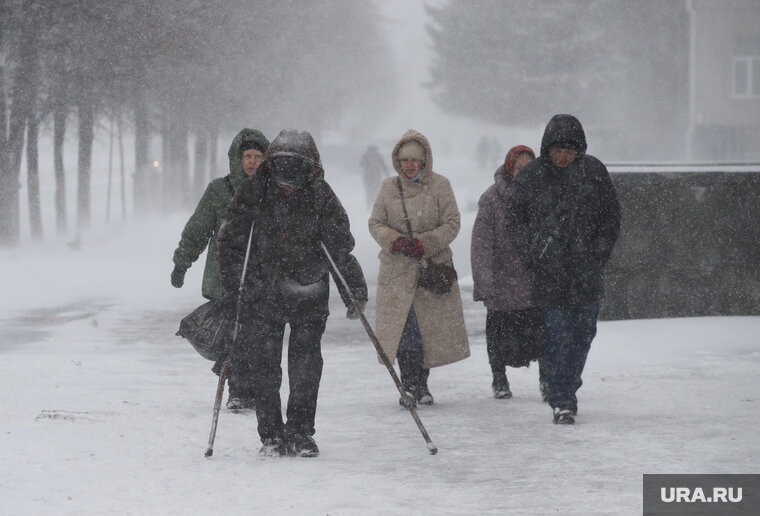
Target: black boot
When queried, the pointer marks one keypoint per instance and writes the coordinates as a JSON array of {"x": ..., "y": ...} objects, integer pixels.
[
  {"x": 423, "y": 393},
  {"x": 409, "y": 376},
  {"x": 500, "y": 387},
  {"x": 241, "y": 396},
  {"x": 543, "y": 386}
]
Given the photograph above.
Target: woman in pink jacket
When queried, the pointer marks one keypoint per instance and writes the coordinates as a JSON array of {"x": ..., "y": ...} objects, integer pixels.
[{"x": 514, "y": 326}]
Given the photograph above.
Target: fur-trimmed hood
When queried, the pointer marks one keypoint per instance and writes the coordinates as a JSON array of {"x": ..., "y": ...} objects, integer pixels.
[{"x": 408, "y": 136}]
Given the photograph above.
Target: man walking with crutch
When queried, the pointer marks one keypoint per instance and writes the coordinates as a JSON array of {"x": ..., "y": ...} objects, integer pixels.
[{"x": 293, "y": 212}]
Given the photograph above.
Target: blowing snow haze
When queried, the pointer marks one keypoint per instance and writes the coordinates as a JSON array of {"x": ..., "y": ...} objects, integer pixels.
[{"x": 169, "y": 82}]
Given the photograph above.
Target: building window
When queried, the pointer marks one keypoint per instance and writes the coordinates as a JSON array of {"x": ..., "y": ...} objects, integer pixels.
[{"x": 746, "y": 77}]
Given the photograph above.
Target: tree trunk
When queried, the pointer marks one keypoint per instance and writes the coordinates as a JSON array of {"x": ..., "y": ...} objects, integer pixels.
[
  {"x": 200, "y": 172},
  {"x": 213, "y": 155},
  {"x": 110, "y": 171},
  {"x": 86, "y": 114},
  {"x": 33, "y": 177},
  {"x": 8, "y": 229},
  {"x": 165, "y": 167},
  {"x": 181, "y": 160},
  {"x": 176, "y": 178},
  {"x": 59, "y": 132},
  {"x": 21, "y": 102},
  {"x": 121, "y": 170},
  {"x": 142, "y": 178}
]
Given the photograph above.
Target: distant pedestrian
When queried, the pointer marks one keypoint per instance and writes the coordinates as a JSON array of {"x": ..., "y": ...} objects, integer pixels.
[
  {"x": 421, "y": 328},
  {"x": 290, "y": 211},
  {"x": 245, "y": 154},
  {"x": 483, "y": 152},
  {"x": 374, "y": 171},
  {"x": 514, "y": 324},
  {"x": 564, "y": 220}
]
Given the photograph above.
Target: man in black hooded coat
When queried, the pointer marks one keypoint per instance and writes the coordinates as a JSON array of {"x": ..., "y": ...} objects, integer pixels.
[
  {"x": 565, "y": 219},
  {"x": 291, "y": 209}
]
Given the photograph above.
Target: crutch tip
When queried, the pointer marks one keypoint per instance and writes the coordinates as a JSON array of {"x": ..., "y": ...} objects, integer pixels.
[
  {"x": 210, "y": 452},
  {"x": 432, "y": 448}
]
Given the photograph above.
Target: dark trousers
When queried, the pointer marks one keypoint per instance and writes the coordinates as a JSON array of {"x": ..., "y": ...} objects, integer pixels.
[
  {"x": 569, "y": 332},
  {"x": 236, "y": 376},
  {"x": 239, "y": 385},
  {"x": 260, "y": 351},
  {"x": 514, "y": 338},
  {"x": 411, "y": 356}
]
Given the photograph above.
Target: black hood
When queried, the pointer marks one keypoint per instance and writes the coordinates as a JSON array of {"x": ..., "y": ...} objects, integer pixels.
[{"x": 564, "y": 129}]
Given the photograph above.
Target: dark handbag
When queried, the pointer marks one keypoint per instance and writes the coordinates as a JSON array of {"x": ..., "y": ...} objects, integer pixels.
[
  {"x": 435, "y": 277},
  {"x": 209, "y": 328}
]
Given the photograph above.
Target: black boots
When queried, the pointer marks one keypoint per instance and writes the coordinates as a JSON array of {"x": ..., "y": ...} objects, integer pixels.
[
  {"x": 241, "y": 404},
  {"x": 414, "y": 377},
  {"x": 423, "y": 393},
  {"x": 295, "y": 446},
  {"x": 500, "y": 387},
  {"x": 302, "y": 446}
]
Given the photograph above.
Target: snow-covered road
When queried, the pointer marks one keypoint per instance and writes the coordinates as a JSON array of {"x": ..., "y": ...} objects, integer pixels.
[{"x": 105, "y": 411}]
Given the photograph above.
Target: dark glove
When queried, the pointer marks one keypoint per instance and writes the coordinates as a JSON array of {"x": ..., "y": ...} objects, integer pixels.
[
  {"x": 178, "y": 276},
  {"x": 400, "y": 245},
  {"x": 353, "y": 314},
  {"x": 416, "y": 249}
]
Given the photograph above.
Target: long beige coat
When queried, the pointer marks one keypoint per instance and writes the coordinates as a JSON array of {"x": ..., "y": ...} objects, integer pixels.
[{"x": 434, "y": 217}]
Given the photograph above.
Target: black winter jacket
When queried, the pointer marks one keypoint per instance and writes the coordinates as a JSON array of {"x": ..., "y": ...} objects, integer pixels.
[
  {"x": 564, "y": 221},
  {"x": 287, "y": 275}
]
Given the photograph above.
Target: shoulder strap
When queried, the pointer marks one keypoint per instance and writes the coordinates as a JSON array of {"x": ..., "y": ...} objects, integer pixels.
[
  {"x": 229, "y": 185},
  {"x": 403, "y": 206}
]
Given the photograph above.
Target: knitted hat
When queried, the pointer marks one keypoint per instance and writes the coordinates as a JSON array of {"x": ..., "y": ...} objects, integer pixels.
[
  {"x": 253, "y": 144},
  {"x": 411, "y": 150}
]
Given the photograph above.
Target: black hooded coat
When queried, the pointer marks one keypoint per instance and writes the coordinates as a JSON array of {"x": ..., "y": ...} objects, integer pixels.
[
  {"x": 564, "y": 221},
  {"x": 288, "y": 275}
]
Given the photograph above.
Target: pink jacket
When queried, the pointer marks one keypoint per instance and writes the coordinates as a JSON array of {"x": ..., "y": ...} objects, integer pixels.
[{"x": 500, "y": 279}]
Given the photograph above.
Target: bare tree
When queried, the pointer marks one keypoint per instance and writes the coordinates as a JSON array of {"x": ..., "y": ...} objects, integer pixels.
[
  {"x": 187, "y": 70},
  {"x": 23, "y": 49}
]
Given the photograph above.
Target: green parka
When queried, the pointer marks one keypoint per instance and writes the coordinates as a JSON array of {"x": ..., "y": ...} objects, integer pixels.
[{"x": 202, "y": 228}]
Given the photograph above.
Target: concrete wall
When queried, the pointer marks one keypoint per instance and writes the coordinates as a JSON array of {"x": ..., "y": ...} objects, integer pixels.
[{"x": 689, "y": 246}]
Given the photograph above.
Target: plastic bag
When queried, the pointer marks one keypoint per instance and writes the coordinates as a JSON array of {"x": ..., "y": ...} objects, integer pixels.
[{"x": 209, "y": 328}]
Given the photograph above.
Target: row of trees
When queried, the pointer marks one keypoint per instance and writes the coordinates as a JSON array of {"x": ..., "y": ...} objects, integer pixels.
[
  {"x": 621, "y": 66},
  {"x": 184, "y": 70}
]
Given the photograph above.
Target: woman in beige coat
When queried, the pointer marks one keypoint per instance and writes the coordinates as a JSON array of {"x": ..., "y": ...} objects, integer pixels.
[{"x": 420, "y": 328}]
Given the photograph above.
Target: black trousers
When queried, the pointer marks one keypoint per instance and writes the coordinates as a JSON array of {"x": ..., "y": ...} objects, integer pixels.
[
  {"x": 514, "y": 338},
  {"x": 259, "y": 351},
  {"x": 236, "y": 381}
]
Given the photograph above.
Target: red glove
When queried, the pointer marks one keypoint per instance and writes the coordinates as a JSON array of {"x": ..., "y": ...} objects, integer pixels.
[
  {"x": 400, "y": 245},
  {"x": 416, "y": 249}
]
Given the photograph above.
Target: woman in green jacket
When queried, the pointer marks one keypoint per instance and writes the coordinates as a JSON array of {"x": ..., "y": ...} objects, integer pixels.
[{"x": 245, "y": 155}]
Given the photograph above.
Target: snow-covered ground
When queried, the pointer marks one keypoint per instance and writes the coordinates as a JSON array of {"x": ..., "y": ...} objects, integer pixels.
[{"x": 105, "y": 411}]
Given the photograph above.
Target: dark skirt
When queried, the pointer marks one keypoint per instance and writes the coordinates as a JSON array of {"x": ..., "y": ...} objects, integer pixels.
[{"x": 514, "y": 338}]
